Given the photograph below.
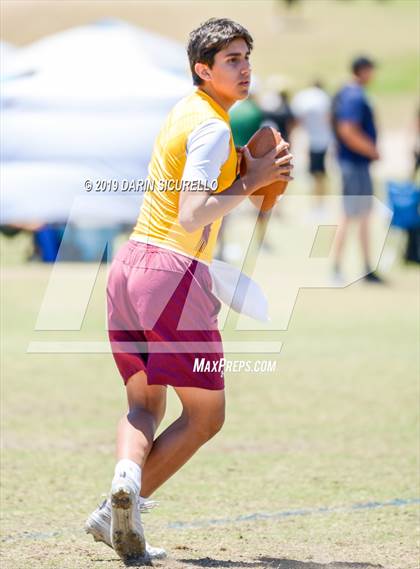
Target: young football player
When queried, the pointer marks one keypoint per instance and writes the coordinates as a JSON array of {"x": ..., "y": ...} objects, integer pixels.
[{"x": 162, "y": 314}]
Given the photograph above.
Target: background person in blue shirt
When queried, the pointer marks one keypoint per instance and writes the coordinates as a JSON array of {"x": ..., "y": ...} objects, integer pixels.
[{"x": 355, "y": 131}]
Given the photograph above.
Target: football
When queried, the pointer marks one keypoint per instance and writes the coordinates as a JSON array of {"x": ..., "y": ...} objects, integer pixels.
[{"x": 264, "y": 140}]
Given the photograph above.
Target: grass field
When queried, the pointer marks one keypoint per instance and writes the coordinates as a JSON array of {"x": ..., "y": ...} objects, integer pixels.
[{"x": 333, "y": 429}]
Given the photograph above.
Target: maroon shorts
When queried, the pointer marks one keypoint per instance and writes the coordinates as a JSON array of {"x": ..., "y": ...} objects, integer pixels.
[{"x": 162, "y": 318}]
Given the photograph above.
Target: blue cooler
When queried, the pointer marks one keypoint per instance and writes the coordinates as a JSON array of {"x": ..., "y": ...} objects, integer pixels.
[
  {"x": 404, "y": 200},
  {"x": 47, "y": 240}
]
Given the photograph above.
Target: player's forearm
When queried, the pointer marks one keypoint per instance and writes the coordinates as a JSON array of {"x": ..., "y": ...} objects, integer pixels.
[
  {"x": 217, "y": 205},
  {"x": 357, "y": 141},
  {"x": 363, "y": 145}
]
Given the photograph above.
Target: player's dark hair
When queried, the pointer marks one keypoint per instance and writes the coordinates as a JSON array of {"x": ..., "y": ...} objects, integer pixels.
[
  {"x": 209, "y": 38},
  {"x": 360, "y": 63}
]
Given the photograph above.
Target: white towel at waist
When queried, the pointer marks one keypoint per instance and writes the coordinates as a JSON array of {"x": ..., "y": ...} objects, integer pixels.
[{"x": 238, "y": 291}]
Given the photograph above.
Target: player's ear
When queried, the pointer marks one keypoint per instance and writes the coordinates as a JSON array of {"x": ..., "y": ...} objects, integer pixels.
[{"x": 203, "y": 71}]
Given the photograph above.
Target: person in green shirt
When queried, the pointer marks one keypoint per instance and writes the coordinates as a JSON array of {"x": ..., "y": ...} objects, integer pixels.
[{"x": 245, "y": 119}]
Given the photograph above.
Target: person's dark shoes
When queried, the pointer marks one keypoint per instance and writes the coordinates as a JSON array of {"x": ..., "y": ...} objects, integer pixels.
[{"x": 374, "y": 278}]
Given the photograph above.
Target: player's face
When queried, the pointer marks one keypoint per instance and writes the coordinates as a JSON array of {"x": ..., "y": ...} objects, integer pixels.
[
  {"x": 230, "y": 74},
  {"x": 366, "y": 75}
]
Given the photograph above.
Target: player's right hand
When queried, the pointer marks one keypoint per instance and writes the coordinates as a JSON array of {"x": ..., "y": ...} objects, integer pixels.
[{"x": 270, "y": 168}]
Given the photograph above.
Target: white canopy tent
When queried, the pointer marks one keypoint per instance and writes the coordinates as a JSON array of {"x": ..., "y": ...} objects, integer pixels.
[
  {"x": 82, "y": 104},
  {"x": 94, "y": 67}
]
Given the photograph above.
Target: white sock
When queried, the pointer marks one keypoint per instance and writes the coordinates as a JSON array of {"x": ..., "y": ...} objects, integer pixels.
[{"x": 131, "y": 470}]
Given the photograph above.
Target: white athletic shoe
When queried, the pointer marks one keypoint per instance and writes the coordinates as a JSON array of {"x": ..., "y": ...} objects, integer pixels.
[
  {"x": 127, "y": 535},
  {"x": 98, "y": 525}
]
